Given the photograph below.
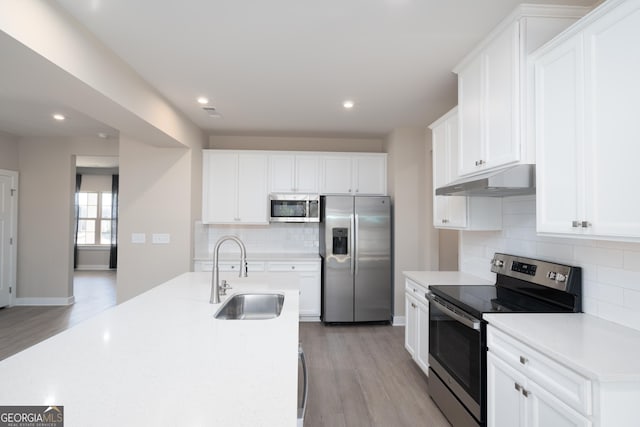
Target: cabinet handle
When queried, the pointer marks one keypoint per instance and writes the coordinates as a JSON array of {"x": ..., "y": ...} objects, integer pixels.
[
  {"x": 518, "y": 386},
  {"x": 413, "y": 305},
  {"x": 479, "y": 162},
  {"x": 523, "y": 360},
  {"x": 580, "y": 224},
  {"x": 445, "y": 221},
  {"x": 526, "y": 393}
]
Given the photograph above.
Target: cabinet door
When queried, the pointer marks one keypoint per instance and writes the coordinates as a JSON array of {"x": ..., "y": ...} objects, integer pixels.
[
  {"x": 470, "y": 111},
  {"x": 457, "y": 213},
  {"x": 422, "y": 332},
  {"x": 306, "y": 176},
  {"x": 559, "y": 137},
  {"x": 544, "y": 409},
  {"x": 440, "y": 211},
  {"x": 336, "y": 175},
  {"x": 611, "y": 117},
  {"x": 252, "y": 189},
  {"x": 440, "y": 155},
  {"x": 370, "y": 174},
  {"x": 310, "y": 294},
  {"x": 220, "y": 181},
  {"x": 282, "y": 172},
  {"x": 411, "y": 328},
  {"x": 501, "y": 99},
  {"x": 505, "y": 402}
]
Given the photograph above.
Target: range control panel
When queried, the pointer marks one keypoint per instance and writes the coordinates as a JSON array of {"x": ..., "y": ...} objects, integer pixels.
[{"x": 545, "y": 273}]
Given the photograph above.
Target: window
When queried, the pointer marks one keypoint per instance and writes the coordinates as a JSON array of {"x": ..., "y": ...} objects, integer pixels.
[{"x": 94, "y": 218}]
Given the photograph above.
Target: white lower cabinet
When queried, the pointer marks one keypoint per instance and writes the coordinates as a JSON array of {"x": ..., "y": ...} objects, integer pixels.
[
  {"x": 417, "y": 324},
  {"x": 308, "y": 273},
  {"x": 309, "y": 278},
  {"x": 526, "y": 388}
]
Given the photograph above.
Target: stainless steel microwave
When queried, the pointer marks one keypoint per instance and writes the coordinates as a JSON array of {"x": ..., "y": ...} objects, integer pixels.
[{"x": 294, "y": 207}]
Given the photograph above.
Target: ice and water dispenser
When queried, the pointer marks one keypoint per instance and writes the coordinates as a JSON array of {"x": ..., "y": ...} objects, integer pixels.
[{"x": 340, "y": 240}]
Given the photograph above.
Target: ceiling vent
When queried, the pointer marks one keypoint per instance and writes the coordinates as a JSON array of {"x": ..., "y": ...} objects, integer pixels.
[{"x": 212, "y": 112}]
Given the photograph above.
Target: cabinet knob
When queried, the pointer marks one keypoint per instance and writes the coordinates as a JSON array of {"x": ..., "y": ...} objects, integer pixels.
[
  {"x": 518, "y": 386},
  {"x": 526, "y": 393},
  {"x": 585, "y": 224},
  {"x": 293, "y": 267},
  {"x": 357, "y": 190},
  {"x": 523, "y": 360},
  {"x": 349, "y": 190}
]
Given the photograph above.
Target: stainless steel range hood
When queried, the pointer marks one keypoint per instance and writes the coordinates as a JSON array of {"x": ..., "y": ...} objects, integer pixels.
[{"x": 516, "y": 180}]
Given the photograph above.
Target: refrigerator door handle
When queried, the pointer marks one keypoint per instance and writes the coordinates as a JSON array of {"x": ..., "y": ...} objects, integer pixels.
[
  {"x": 355, "y": 244},
  {"x": 352, "y": 246}
]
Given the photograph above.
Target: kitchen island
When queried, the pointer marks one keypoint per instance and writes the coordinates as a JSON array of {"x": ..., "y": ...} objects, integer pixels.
[{"x": 161, "y": 359}]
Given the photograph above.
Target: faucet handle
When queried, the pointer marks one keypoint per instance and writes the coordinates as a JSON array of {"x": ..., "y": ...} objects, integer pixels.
[{"x": 224, "y": 286}]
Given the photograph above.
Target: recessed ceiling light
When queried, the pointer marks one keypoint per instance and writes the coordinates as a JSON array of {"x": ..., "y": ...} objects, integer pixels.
[
  {"x": 203, "y": 100},
  {"x": 59, "y": 117},
  {"x": 103, "y": 135},
  {"x": 348, "y": 104}
]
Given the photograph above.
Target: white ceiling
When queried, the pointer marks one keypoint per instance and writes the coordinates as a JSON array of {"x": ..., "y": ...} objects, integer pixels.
[{"x": 283, "y": 67}]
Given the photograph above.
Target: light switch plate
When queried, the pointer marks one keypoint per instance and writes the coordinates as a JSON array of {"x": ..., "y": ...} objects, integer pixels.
[
  {"x": 138, "y": 238},
  {"x": 160, "y": 238}
]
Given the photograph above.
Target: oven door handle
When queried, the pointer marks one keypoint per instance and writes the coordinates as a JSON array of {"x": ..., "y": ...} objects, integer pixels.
[{"x": 466, "y": 321}]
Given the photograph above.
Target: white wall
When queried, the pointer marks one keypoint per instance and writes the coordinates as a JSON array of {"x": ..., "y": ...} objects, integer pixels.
[
  {"x": 45, "y": 214},
  {"x": 155, "y": 197},
  {"x": 8, "y": 152},
  {"x": 235, "y": 142},
  {"x": 415, "y": 241},
  {"x": 611, "y": 270}
]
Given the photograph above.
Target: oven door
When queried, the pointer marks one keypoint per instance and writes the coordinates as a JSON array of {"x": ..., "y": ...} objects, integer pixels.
[{"x": 456, "y": 352}]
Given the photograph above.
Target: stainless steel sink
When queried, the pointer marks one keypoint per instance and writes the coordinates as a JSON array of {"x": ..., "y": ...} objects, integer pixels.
[{"x": 258, "y": 306}]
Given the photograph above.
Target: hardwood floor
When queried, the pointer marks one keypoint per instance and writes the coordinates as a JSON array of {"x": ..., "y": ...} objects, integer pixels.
[
  {"x": 23, "y": 326},
  {"x": 362, "y": 376},
  {"x": 358, "y": 375}
]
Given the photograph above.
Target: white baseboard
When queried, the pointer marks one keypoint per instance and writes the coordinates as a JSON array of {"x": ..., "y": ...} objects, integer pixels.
[
  {"x": 399, "y": 321},
  {"x": 92, "y": 267},
  {"x": 44, "y": 301}
]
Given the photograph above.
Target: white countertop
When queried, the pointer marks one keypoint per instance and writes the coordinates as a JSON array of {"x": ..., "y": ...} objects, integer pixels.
[
  {"x": 426, "y": 278},
  {"x": 596, "y": 348},
  {"x": 161, "y": 359},
  {"x": 274, "y": 256}
]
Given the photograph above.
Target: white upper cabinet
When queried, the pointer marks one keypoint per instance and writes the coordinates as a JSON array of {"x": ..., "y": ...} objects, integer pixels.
[
  {"x": 457, "y": 212},
  {"x": 354, "y": 174},
  {"x": 587, "y": 129},
  {"x": 293, "y": 173},
  {"x": 493, "y": 88},
  {"x": 234, "y": 187}
]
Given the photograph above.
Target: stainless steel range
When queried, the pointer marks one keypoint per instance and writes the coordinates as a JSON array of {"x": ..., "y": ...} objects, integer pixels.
[{"x": 457, "y": 333}]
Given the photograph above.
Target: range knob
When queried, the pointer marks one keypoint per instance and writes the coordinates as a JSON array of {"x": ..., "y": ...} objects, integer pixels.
[
  {"x": 497, "y": 263},
  {"x": 558, "y": 277}
]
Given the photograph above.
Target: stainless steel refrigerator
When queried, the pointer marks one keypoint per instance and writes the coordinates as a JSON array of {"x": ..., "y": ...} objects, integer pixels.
[{"x": 355, "y": 246}]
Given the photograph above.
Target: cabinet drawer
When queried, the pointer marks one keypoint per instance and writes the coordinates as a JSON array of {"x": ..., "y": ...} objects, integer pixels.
[
  {"x": 560, "y": 381},
  {"x": 294, "y": 266},
  {"x": 252, "y": 266},
  {"x": 417, "y": 291}
]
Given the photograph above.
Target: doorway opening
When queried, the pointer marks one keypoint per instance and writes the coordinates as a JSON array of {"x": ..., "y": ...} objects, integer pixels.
[{"x": 95, "y": 254}]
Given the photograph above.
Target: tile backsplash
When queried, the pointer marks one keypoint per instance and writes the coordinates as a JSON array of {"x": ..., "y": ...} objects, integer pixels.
[
  {"x": 281, "y": 238},
  {"x": 611, "y": 270}
]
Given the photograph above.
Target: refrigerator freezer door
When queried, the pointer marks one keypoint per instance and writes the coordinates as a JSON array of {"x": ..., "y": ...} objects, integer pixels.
[
  {"x": 372, "y": 259},
  {"x": 337, "y": 278}
]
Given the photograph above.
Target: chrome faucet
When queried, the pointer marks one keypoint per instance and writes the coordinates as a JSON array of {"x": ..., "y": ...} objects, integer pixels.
[{"x": 215, "y": 278}]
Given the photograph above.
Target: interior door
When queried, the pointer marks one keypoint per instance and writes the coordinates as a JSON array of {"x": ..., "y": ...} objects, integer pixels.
[
  {"x": 337, "y": 280},
  {"x": 372, "y": 259},
  {"x": 8, "y": 204}
]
